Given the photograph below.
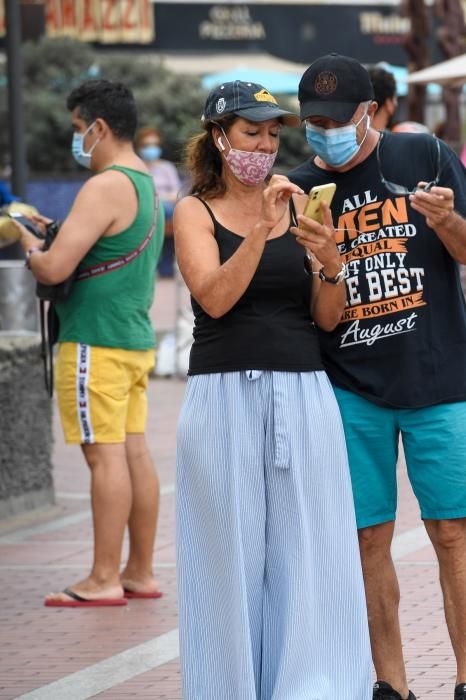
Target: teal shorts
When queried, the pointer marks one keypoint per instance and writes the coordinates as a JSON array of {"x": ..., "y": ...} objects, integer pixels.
[{"x": 434, "y": 444}]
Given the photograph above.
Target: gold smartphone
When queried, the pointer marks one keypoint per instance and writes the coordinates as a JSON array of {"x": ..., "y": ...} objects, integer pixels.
[{"x": 318, "y": 194}]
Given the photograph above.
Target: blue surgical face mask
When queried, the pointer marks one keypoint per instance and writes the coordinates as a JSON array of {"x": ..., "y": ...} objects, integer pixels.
[
  {"x": 336, "y": 147},
  {"x": 77, "y": 148},
  {"x": 151, "y": 152}
]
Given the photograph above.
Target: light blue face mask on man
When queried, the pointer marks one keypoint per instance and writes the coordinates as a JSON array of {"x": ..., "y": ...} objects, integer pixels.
[
  {"x": 338, "y": 146},
  {"x": 77, "y": 148},
  {"x": 150, "y": 152}
]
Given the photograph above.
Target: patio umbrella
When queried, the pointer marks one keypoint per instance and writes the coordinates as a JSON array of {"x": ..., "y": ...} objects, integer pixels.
[
  {"x": 451, "y": 73},
  {"x": 400, "y": 73}
]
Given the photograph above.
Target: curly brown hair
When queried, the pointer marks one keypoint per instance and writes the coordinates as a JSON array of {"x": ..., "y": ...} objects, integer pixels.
[{"x": 203, "y": 161}]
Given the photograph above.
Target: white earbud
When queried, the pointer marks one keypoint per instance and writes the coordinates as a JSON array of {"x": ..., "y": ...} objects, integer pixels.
[{"x": 220, "y": 143}]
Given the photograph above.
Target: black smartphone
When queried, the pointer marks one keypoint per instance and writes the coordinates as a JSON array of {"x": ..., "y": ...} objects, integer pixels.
[{"x": 27, "y": 223}]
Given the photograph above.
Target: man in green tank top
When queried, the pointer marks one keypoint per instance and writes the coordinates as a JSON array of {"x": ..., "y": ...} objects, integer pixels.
[{"x": 114, "y": 232}]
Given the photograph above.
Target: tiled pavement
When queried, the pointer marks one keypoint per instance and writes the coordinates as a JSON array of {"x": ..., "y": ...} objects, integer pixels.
[{"x": 41, "y": 648}]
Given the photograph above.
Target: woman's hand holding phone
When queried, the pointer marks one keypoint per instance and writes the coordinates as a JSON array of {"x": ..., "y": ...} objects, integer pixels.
[
  {"x": 316, "y": 232},
  {"x": 319, "y": 194}
]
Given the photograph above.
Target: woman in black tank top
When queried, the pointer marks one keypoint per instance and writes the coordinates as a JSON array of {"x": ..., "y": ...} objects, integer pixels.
[{"x": 259, "y": 407}]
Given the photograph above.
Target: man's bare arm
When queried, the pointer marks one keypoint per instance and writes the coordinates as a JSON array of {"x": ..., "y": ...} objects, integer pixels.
[{"x": 94, "y": 211}]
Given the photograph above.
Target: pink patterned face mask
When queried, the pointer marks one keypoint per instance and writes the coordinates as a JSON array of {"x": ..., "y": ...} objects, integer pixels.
[{"x": 250, "y": 167}]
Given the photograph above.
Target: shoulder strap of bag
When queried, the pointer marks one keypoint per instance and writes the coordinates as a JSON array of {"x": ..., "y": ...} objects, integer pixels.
[
  {"x": 110, "y": 265},
  {"x": 48, "y": 333}
]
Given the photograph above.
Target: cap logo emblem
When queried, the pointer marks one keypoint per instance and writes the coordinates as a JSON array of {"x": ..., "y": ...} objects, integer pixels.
[
  {"x": 265, "y": 96},
  {"x": 220, "y": 106},
  {"x": 325, "y": 83}
]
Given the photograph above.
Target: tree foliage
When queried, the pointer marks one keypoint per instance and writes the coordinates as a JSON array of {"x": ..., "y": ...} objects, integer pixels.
[{"x": 171, "y": 102}]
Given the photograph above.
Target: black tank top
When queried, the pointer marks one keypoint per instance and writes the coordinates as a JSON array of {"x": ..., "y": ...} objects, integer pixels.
[{"x": 270, "y": 327}]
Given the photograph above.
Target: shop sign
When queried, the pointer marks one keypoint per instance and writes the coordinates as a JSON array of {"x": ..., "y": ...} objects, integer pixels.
[{"x": 104, "y": 21}]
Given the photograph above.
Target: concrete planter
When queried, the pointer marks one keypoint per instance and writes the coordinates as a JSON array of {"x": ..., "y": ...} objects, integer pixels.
[
  {"x": 25, "y": 408},
  {"x": 25, "y": 427}
]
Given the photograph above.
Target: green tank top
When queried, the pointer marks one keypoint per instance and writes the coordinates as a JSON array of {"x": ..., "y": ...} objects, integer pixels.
[{"x": 112, "y": 310}]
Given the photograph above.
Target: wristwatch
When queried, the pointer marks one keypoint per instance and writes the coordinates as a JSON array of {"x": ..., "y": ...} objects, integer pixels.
[
  {"x": 339, "y": 277},
  {"x": 30, "y": 252}
]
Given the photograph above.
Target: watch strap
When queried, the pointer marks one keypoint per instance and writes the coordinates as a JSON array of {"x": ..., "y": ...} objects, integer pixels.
[{"x": 339, "y": 277}]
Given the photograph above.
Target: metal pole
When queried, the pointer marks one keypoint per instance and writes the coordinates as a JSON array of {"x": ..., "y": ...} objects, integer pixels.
[
  {"x": 15, "y": 103},
  {"x": 15, "y": 110}
]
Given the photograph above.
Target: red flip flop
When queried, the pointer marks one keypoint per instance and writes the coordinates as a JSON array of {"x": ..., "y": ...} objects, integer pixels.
[
  {"x": 142, "y": 596},
  {"x": 77, "y": 601}
]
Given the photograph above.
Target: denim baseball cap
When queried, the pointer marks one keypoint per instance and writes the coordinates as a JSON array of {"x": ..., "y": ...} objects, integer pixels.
[
  {"x": 333, "y": 86},
  {"x": 248, "y": 100}
]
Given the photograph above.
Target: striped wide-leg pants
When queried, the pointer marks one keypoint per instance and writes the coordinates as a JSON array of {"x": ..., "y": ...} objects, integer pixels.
[{"x": 270, "y": 586}]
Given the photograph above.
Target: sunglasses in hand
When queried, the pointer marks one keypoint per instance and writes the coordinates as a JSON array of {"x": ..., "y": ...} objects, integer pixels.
[{"x": 401, "y": 189}]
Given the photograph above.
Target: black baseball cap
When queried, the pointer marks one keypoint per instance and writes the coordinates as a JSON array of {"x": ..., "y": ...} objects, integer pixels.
[
  {"x": 248, "y": 100},
  {"x": 333, "y": 86}
]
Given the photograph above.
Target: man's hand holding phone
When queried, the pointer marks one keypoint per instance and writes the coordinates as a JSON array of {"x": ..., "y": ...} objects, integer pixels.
[
  {"x": 31, "y": 229},
  {"x": 26, "y": 223}
]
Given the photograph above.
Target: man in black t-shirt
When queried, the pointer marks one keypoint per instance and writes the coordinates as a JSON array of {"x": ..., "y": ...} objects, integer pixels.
[{"x": 397, "y": 359}]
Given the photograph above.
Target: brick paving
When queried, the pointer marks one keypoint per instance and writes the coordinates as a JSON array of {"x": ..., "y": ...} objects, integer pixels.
[{"x": 41, "y": 645}]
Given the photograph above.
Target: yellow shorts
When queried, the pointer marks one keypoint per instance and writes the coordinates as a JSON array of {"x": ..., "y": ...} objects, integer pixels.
[{"x": 101, "y": 392}]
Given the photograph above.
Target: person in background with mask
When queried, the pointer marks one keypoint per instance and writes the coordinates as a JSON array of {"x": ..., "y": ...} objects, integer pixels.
[
  {"x": 269, "y": 578},
  {"x": 106, "y": 340},
  {"x": 384, "y": 86},
  {"x": 397, "y": 355},
  {"x": 167, "y": 184}
]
